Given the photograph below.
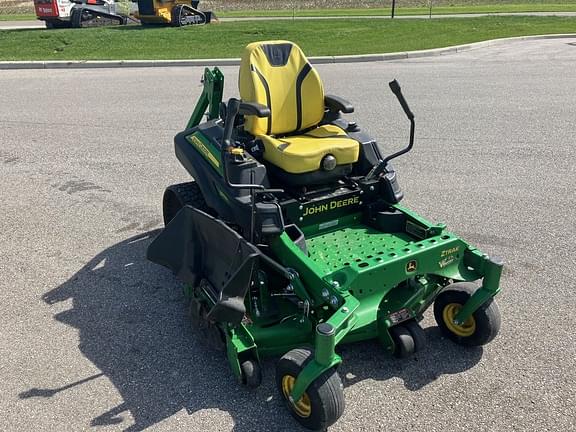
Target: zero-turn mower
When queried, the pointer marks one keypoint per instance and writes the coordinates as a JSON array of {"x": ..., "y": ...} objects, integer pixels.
[{"x": 291, "y": 239}]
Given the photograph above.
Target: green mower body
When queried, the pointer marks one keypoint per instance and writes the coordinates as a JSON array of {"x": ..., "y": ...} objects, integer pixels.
[{"x": 271, "y": 268}]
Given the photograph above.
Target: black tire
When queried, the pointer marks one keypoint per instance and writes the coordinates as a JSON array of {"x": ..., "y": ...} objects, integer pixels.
[
  {"x": 417, "y": 334},
  {"x": 324, "y": 398},
  {"x": 251, "y": 373},
  {"x": 480, "y": 329},
  {"x": 404, "y": 345},
  {"x": 179, "y": 195}
]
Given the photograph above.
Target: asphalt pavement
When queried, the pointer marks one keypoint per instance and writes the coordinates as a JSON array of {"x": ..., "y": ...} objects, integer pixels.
[{"x": 95, "y": 337}]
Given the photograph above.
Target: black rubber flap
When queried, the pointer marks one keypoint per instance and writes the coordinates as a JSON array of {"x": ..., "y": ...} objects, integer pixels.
[{"x": 196, "y": 246}]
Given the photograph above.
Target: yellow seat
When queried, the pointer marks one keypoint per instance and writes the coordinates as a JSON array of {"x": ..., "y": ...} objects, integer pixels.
[
  {"x": 278, "y": 75},
  {"x": 303, "y": 153}
]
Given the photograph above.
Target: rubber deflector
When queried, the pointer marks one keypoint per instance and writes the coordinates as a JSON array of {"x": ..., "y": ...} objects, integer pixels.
[{"x": 196, "y": 246}]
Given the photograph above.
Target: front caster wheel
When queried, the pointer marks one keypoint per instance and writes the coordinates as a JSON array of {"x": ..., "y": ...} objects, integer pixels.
[
  {"x": 251, "y": 373},
  {"x": 322, "y": 403},
  {"x": 417, "y": 334},
  {"x": 479, "y": 329},
  {"x": 404, "y": 345},
  {"x": 408, "y": 338}
]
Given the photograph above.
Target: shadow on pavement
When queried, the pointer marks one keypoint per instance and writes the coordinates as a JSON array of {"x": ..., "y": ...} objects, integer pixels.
[
  {"x": 440, "y": 357},
  {"x": 132, "y": 325}
]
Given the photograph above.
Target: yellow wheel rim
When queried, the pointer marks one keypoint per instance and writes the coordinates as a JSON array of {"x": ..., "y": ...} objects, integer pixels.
[
  {"x": 464, "y": 330},
  {"x": 302, "y": 406}
]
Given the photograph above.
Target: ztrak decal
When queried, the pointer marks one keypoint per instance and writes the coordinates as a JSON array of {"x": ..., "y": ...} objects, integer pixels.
[
  {"x": 446, "y": 261},
  {"x": 446, "y": 252},
  {"x": 448, "y": 256},
  {"x": 331, "y": 205}
]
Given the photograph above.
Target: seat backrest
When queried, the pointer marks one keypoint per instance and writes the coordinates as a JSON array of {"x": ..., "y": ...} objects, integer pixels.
[{"x": 277, "y": 74}]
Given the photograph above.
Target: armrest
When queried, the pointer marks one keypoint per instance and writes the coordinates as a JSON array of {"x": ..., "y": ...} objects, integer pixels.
[
  {"x": 336, "y": 104},
  {"x": 253, "y": 108}
]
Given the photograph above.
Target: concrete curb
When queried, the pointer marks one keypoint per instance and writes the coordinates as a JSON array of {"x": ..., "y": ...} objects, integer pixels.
[{"x": 80, "y": 64}]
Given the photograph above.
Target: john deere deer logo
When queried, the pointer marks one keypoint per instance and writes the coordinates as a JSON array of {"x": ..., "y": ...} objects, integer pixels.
[{"x": 411, "y": 266}]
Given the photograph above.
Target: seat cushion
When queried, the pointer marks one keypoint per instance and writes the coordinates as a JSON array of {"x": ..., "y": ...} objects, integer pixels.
[{"x": 303, "y": 153}]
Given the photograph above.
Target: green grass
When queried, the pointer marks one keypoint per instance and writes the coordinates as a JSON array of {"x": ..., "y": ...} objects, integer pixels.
[
  {"x": 316, "y": 37},
  {"x": 436, "y": 10}
]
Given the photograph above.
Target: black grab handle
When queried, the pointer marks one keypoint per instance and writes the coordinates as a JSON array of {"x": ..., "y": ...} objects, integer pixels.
[{"x": 395, "y": 87}]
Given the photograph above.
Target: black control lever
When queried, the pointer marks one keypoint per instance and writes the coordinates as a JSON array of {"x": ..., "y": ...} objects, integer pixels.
[
  {"x": 232, "y": 110},
  {"x": 379, "y": 169},
  {"x": 236, "y": 107},
  {"x": 395, "y": 87}
]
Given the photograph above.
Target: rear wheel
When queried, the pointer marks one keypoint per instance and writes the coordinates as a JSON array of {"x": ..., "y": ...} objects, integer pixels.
[
  {"x": 479, "y": 329},
  {"x": 179, "y": 195},
  {"x": 323, "y": 402}
]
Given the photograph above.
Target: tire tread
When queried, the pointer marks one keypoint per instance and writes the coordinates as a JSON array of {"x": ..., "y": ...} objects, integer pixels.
[
  {"x": 184, "y": 194},
  {"x": 327, "y": 386}
]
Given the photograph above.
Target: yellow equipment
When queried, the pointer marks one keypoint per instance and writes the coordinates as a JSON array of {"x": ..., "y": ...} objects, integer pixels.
[{"x": 176, "y": 13}]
